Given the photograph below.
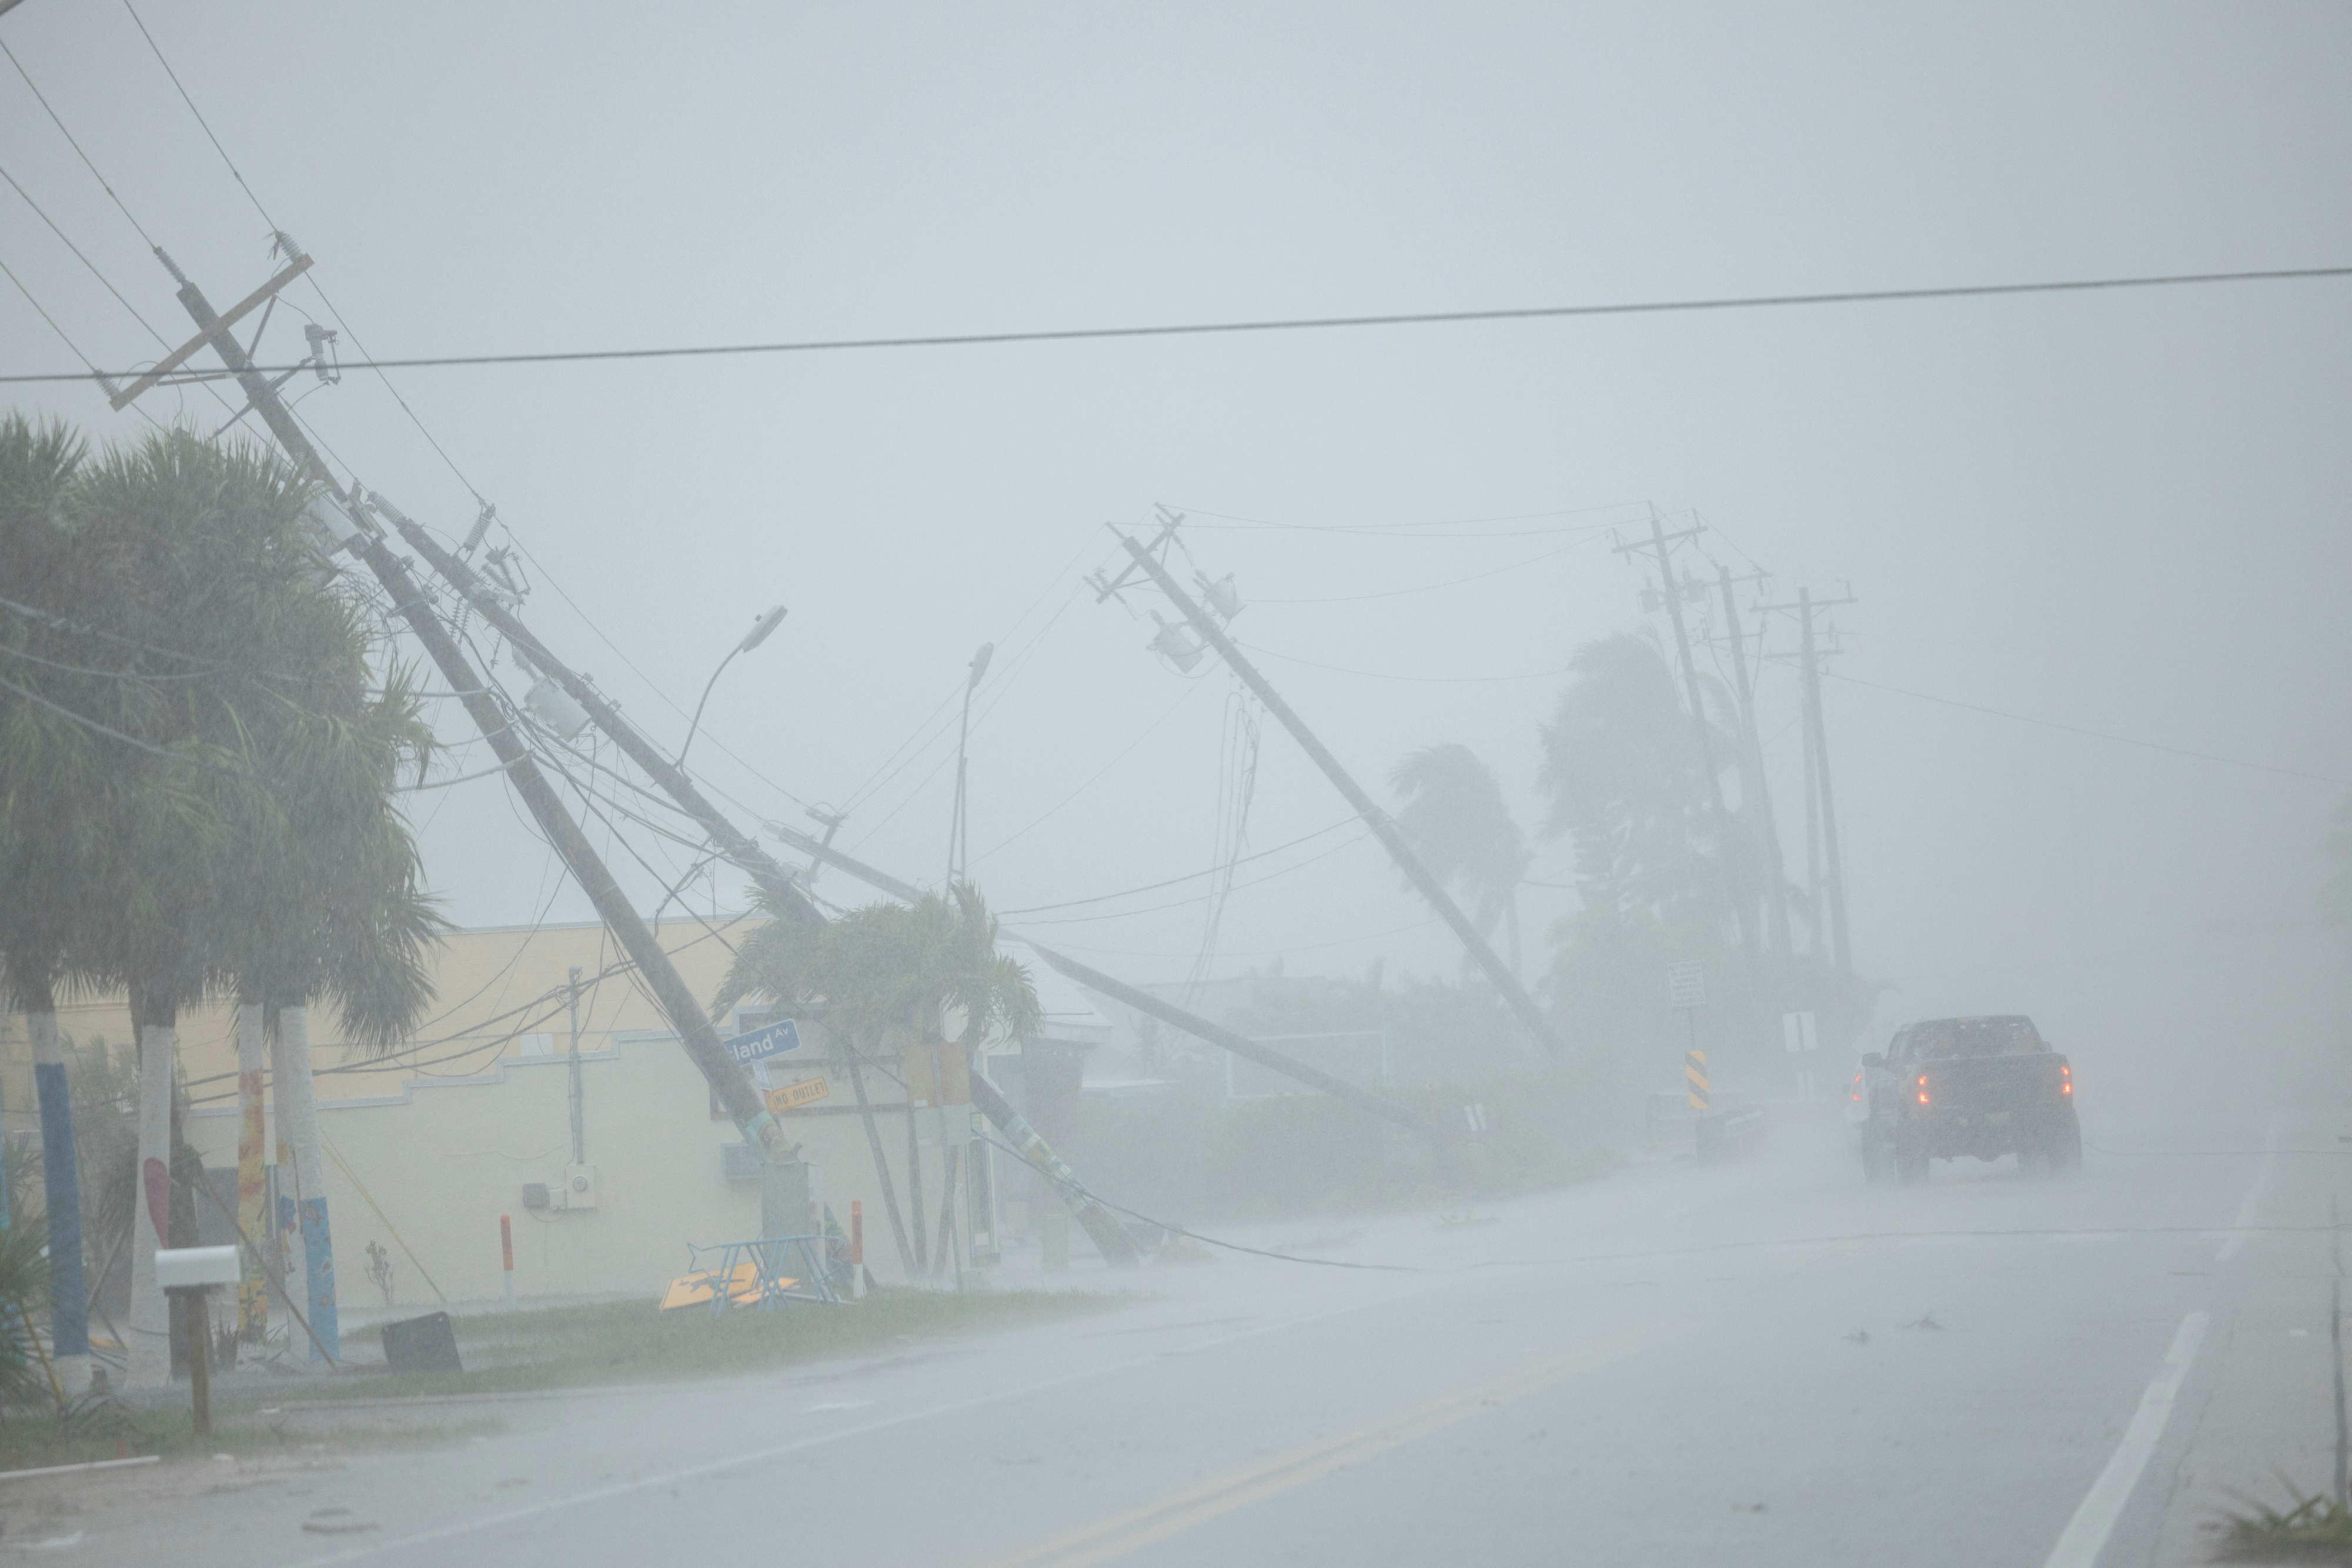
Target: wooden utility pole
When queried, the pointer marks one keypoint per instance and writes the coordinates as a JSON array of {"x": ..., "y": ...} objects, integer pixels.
[
  {"x": 745, "y": 852},
  {"x": 670, "y": 991},
  {"x": 1841, "y": 951},
  {"x": 673, "y": 781},
  {"x": 1752, "y": 786},
  {"x": 1672, "y": 593},
  {"x": 1391, "y": 837}
]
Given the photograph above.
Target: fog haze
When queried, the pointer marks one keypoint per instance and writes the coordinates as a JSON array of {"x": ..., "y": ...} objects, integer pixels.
[{"x": 2117, "y": 511}]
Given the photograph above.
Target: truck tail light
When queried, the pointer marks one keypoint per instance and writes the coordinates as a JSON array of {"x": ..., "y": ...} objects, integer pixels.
[
  {"x": 2065, "y": 1080},
  {"x": 1923, "y": 1089},
  {"x": 1857, "y": 1087}
]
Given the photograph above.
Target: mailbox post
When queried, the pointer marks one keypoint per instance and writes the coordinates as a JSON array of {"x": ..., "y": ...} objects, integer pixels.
[{"x": 187, "y": 1272}]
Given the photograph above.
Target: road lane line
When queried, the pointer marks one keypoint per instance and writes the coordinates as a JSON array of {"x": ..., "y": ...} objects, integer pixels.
[
  {"x": 823, "y": 1440},
  {"x": 2086, "y": 1533},
  {"x": 1124, "y": 1532},
  {"x": 2237, "y": 1237}
]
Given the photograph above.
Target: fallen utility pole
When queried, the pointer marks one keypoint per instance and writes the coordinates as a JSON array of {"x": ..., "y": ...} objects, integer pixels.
[
  {"x": 735, "y": 1093},
  {"x": 1391, "y": 837},
  {"x": 1142, "y": 1001},
  {"x": 1109, "y": 1236}
]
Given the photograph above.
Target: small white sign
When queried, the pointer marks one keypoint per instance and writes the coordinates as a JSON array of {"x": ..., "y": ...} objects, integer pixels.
[
  {"x": 1686, "y": 983},
  {"x": 183, "y": 1266},
  {"x": 1798, "y": 1034}
]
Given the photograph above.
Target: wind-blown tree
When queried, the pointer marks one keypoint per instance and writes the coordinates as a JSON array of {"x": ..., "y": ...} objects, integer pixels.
[
  {"x": 261, "y": 711},
  {"x": 883, "y": 977},
  {"x": 1628, "y": 786},
  {"x": 1456, "y": 816},
  {"x": 326, "y": 902},
  {"x": 74, "y": 788}
]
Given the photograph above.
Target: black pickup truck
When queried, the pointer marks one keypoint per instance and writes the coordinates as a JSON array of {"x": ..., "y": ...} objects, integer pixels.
[{"x": 1981, "y": 1086}]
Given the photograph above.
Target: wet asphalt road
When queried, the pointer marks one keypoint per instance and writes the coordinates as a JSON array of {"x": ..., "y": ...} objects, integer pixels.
[{"x": 1761, "y": 1364}]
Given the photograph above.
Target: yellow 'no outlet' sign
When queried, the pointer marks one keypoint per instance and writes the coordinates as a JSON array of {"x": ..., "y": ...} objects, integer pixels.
[{"x": 792, "y": 1096}]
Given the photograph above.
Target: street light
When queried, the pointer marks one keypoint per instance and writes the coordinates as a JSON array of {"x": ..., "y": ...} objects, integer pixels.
[
  {"x": 757, "y": 635},
  {"x": 959, "y": 832}
]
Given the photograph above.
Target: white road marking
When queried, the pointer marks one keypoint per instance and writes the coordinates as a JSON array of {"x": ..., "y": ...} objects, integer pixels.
[
  {"x": 837, "y": 1405},
  {"x": 2086, "y": 1533},
  {"x": 2237, "y": 1237}
]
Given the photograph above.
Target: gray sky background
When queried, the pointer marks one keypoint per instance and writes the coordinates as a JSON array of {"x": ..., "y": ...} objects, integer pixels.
[{"x": 2121, "y": 511}]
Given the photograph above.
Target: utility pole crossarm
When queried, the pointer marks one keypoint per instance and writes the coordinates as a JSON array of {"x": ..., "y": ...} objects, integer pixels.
[
  {"x": 1391, "y": 837},
  {"x": 236, "y": 312},
  {"x": 670, "y": 991}
]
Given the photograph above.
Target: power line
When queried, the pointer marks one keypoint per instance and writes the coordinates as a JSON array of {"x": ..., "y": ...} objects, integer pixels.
[
  {"x": 1188, "y": 876},
  {"x": 68, "y": 135},
  {"x": 1313, "y": 323},
  {"x": 94, "y": 272},
  {"x": 1202, "y": 898},
  {"x": 199, "y": 113},
  {"x": 1426, "y": 680},
  {"x": 2094, "y": 733}
]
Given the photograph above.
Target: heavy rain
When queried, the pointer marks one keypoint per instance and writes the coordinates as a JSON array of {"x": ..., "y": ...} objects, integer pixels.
[{"x": 1043, "y": 785}]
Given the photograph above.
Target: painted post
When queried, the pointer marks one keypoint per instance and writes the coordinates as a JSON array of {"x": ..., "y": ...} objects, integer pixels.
[
  {"x": 61, "y": 1184},
  {"x": 149, "y": 1349},
  {"x": 298, "y": 1117},
  {"x": 252, "y": 1052},
  {"x": 858, "y": 1248},
  {"x": 506, "y": 1256}
]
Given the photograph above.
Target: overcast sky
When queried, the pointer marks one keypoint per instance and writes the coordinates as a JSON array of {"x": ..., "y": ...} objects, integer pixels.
[{"x": 2120, "y": 511}]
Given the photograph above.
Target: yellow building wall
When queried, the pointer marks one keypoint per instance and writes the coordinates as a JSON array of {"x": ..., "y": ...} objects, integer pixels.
[{"x": 429, "y": 1143}]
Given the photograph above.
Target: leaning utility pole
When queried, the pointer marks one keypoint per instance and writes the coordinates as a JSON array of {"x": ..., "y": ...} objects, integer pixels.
[
  {"x": 1672, "y": 593},
  {"x": 1816, "y": 741},
  {"x": 1391, "y": 837},
  {"x": 759, "y": 1126},
  {"x": 1752, "y": 785},
  {"x": 740, "y": 849}
]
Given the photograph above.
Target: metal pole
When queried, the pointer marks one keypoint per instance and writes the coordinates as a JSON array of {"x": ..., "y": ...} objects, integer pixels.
[
  {"x": 670, "y": 991},
  {"x": 956, "y": 848},
  {"x": 1392, "y": 838},
  {"x": 579, "y": 1132}
]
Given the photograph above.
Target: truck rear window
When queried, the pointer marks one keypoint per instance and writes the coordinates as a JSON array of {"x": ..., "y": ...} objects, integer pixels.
[{"x": 1950, "y": 1039}]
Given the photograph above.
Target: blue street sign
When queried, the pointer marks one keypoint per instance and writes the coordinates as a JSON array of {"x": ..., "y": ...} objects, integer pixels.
[{"x": 761, "y": 1043}]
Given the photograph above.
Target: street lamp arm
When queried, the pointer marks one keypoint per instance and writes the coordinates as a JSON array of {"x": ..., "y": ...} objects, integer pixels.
[{"x": 706, "y": 687}]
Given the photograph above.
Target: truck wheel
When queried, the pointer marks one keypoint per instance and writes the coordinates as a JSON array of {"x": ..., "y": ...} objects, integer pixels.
[
  {"x": 1910, "y": 1163},
  {"x": 2033, "y": 1160},
  {"x": 2064, "y": 1150}
]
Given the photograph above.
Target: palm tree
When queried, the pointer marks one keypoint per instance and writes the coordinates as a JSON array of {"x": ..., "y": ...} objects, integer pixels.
[
  {"x": 1629, "y": 787},
  {"x": 80, "y": 787},
  {"x": 1455, "y": 817},
  {"x": 884, "y": 976},
  {"x": 325, "y": 901},
  {"x": 288, "y": 868}
]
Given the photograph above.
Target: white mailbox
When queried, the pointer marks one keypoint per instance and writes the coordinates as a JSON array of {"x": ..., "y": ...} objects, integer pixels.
[{"x": 195, "y": 1266}]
